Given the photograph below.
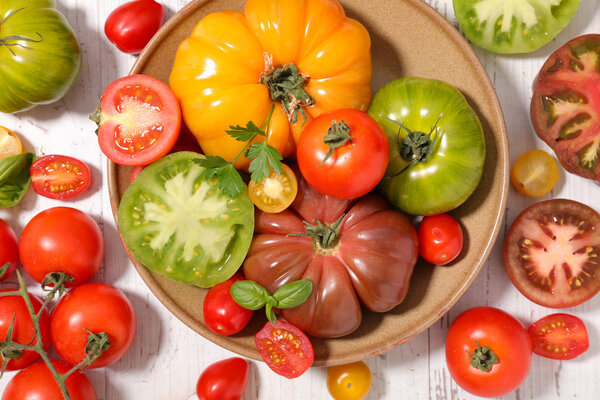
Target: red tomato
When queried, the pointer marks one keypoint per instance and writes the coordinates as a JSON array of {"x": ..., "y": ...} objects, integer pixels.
[
  {"x": 355, "y": 167},
  {"x": 96, "y": 307},
  {"x": 131, "y": 25},
  {"x": 223, "y": 380},
  {"x": 37, "y": 382},
  {"x": 59, "y": 177},
  {"x": 440, "y": 239},
  {"x": 559, "y": 336},
  {"x": 478, "y": 333},
  {"x": 551, "y": 253},
  {"x": 222, "y": 314},
  {"x": 285, "y": 348},
  {"x": 9, "y": 249},
  {"x": 139, "y": 120},
  {"x": 62, "y": 239},
  {"x": 23, "y": 330}
]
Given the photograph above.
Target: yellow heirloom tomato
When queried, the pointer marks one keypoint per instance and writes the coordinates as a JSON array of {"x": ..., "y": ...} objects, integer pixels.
[{"x": 305, "y": 57}]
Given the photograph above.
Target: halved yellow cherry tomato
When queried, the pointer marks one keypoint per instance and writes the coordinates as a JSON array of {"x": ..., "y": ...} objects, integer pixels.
[
  {"x": 534, "y": 173},
  {"x": 349, "y": 381},
  {"x": 10, "y": 145},
  {"x": 276, "y": 192}
]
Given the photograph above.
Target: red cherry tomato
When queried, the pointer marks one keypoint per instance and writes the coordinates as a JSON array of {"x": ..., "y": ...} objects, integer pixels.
[
  {"x": 23, "y": 330},
  {"x": 131, "y": 25},
  {"x": 62, "y": 239},
  {"x": 9, "y": 249},
  {"x": 37, "y": 382},
  {"x": 440, "y": 239},
  {"x": 95, "y": 307},
  {"x": 480, "y": 334},
  {"x": 559, "y": 336},
  {"x": 59, "y": 177},
  {"x": 354, "y": 168},
  {"x": 285, "y": 348},
  {"x": 223, "y": 380},
  {"x": 139, "y": 120},
  {"x": 222, "y": 314}
]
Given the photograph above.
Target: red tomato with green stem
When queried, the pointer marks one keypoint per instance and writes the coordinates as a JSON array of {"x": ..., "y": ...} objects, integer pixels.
[
  {"x": 138, "y": 120},
  {"x": 59, "y": 177},
  {"x": 131, "y": 25},
  {"x": 343, "y": 153},
  {"x": 23, "y": 329},
  {"x": 62, "y": 239},
  {"x": 222, "y": 314},
  {"x": 223, "y": 380},
  {"x": 440, "y": 239},
  {"x": 96, "y": 307},
  {"x": 559, "y": 336},
  {"x": 488, "y": 352},
  {"x": 9, "y": 249}
]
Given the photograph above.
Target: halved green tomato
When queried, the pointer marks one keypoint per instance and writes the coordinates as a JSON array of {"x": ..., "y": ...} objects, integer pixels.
[
  {"x": 513, "y": 26},
  {"x": 178, "y": 224}
]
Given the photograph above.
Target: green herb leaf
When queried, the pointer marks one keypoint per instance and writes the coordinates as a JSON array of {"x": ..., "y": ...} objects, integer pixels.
[
  {"x": 293, "y": 294},
  {"x": 271, "y": 316},
  {"x": 14, "y": 178},
  {"x": 249, "y": 294},
  {"x": 211, "y": 162},
  {"x": 265, "y": 158},
  {"x": 230, "y": 182},
  {"x": 245, "y": 134}
]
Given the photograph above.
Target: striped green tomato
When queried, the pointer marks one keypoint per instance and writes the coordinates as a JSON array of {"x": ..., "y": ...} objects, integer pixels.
[
  {"x": 39, "y": 54},
  {"x": 437, "y": 147}
]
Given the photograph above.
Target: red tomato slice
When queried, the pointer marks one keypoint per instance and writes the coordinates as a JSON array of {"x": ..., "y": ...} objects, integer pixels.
[
  {"x": 59, "y": 177},
  {"x": 285, "y": 348},
  {"x": 559, "y": 336},
  {"x": 139, "y": 120}
]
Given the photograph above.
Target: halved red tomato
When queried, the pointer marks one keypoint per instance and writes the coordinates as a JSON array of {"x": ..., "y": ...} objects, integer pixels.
[
  {"x": 285, "y": 348},
  {"x": 565, "y": 107},
  {"x": 138, "y": 120},
  {"x": 559, "y": 336},
  {"x": 551, "y": 253},
  {"x": 59, "y": 177}
]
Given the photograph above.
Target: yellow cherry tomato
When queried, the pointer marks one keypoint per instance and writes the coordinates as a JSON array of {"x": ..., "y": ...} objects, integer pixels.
[
  {"x": 303, "y": 56},
  {"x": 349, "y": 381},
  {"x": 10, "y": 145},
  {"x": 534, "y": 173},
  {"x": 276, "y": 192}
]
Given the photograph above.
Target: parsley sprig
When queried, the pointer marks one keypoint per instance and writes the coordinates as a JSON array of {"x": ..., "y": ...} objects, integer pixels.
[{"x": 264, "y": 158}]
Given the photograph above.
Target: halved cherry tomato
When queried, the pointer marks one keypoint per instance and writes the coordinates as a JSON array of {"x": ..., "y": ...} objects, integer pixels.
[
  {"x": 59, "y": 177},
  {"x": 223, "y": 380},
  {"x": 534, "y": 173},
  {"x": 440, "y": 239},
  {"x": 276, "y": 192},
  {"x": 285, "y": 348},
  {"x": 559, "y": 336},
  {"x": 139, "y": 120},
  {"x": 222, "y": 314},
  {"x": 349, "y": 381},
  {"x": 10, "y": 145}
]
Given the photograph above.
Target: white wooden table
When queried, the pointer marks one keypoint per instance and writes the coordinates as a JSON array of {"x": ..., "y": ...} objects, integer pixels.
[{"x": 167, "y": 356}]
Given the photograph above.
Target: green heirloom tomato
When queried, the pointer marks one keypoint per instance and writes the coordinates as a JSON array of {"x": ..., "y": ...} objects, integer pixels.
[
  {"x": 39, "y": 54},
  {"x": 178, "y": 224},
  {"x": 437, "y": 148},
  {"x": 513, "y": 26}
]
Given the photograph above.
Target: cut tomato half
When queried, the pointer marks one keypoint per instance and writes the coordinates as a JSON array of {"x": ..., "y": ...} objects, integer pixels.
[
  {"x": 10, "y": 145},
  {"x": 59, "y": 177},
  {"x": 276, "y": 192},
  {"x": 559, "y": 336},
  {"x": 138, "y": 120}
]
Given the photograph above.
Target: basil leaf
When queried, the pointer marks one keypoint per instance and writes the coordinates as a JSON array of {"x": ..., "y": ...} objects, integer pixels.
[
  {"x": 14, "y": 178},
  {"x": 293, "y": 294},
  {"x": 271, "y": 316},
  {"x": 249, "y": 294}
]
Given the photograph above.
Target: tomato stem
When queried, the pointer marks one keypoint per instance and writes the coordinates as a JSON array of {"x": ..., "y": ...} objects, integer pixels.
[
  {"x": 324, "y": 236},
  {"x": 337, "y": 136},
  {"x": 483, "y": 358}
]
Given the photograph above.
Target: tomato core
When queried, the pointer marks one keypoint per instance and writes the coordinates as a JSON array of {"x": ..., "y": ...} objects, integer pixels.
[{"x": 286, "y": 85}]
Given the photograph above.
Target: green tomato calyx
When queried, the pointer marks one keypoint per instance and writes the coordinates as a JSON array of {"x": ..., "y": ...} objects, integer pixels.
[
  {"x": 483, "y": 358},
  {"x": 337, "y": 136},
  {"x": 325, "y": 236}
]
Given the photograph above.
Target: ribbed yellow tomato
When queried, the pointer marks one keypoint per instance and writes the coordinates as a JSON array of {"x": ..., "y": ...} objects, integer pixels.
[{"x": 235, "y": 66}]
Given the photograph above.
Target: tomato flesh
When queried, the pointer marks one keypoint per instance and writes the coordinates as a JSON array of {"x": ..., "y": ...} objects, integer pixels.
[
  {"x": 349, "y": 381},
  {"x": 285, "y": 348},
  {"x": 10, "y": 145},
  {"x": 276, "y": 192},
  {"x": 59, "y": 177},
  {"x": 440, "y": 239},
  {"x": 551, "y": 253},
  {"x": 534, "y": 173},
  {"x": 559, "y": 336}
]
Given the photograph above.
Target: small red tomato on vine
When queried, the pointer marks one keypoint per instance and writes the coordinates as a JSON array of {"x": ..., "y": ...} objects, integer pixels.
[
  {"x": 9, "y": 250},
  {"x": 131, "y": 25}
]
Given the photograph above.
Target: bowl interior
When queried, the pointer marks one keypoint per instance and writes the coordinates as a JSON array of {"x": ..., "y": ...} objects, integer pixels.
[{"x": 409, "y": 38}]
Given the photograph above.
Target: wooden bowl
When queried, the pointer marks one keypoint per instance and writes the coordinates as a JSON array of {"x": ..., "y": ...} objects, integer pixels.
[{"x": 409, "y": 38}]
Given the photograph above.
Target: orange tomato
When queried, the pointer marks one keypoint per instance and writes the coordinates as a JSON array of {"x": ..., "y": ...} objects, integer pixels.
[
  {"x": 276, "y": 192},
  {"x": 10, "y": 145},
  {"x": 534, "y": 173},
  {"x": 228, "y": 70}
]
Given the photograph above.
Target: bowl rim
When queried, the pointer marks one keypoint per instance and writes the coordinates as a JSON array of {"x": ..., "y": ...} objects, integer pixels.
[{"x": 503, "y": 162}]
